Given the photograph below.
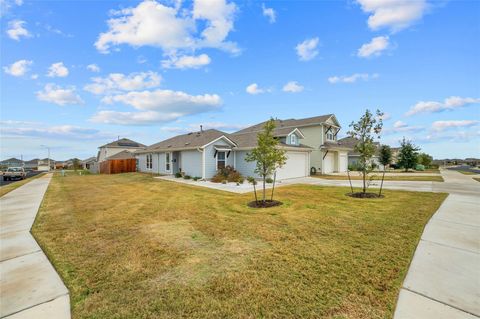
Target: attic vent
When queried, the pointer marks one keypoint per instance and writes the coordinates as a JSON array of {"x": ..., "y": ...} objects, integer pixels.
[{"x": 187, "y": 143}]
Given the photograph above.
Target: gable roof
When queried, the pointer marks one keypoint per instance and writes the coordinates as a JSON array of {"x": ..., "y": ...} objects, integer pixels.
[
  {"x": 290, "y": 123},
  {"x": 11, "y": 160},
  {"x": 121, "y": 155},
  {"x": 350, "y": 142},
  {"x": 124, "y": 142},
  {"x": 249, "y": 140},
  {"x": 187, "y": 141}
]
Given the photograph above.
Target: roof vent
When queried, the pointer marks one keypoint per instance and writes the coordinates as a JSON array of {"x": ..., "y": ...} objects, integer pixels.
[{"x": 187, "y": 143}]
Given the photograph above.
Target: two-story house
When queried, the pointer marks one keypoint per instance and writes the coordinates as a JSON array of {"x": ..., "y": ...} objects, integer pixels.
[
  {"x": 115, "y": 147},
  {"x": 308, "y": 143}
]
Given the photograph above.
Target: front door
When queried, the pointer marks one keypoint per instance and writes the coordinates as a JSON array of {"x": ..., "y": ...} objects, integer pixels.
[{"x": 168, "y": 162}]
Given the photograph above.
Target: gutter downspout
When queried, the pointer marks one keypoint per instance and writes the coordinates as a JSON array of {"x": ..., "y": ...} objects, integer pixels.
[{"x": 203, "y": 161}]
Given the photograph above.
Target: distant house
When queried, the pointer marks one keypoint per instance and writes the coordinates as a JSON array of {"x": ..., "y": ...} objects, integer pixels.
[
  {"x": 354, "y": 156},
  {"x": 123, "y": 144},
  {"x": 43, "y": 165},
  {"x": 88, "y": 163},
  {"x": 309, "y": 143},
  {"x": 11, "y": 162},
  {"x": 31, "y": 164}
]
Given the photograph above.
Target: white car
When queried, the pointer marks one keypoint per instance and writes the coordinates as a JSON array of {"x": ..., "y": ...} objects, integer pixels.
[{"x": 14, "y": 173}]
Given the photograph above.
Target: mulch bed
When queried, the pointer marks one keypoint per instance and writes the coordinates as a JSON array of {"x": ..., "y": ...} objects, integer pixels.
[
  {"x": 364, "y": 195},
  {"x": 266, "y": 204}
]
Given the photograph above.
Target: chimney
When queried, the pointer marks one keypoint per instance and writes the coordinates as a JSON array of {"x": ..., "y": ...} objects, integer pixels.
[{"x": 201, "y": 128}]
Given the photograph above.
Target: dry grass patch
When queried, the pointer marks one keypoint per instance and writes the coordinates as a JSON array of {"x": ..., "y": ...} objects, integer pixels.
[{"x": 130, "y": 246}]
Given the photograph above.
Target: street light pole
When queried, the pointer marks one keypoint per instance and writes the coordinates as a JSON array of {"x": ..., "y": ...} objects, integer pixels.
[{"x": 48, "y": 149}]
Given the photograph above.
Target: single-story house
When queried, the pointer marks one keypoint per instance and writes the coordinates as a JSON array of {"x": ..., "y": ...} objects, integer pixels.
[
  {"x": 43, "y": 165},
  {"x": 353, "y": 156},
  {"x": 88, "y": 163},
  {"x": 202, "y": 153}
]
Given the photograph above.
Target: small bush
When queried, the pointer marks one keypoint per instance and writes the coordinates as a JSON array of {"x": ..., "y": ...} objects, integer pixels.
[
  {"x": 224, "y": 182},
  {"x": 241, "y": 180},
  {"x": 187, "y": 177},
  {"x": 196, "y": 178},
  {"x": 269, "y": 180},
  {"x": 178, "y": 175},
  {"x": 251, "y": 180},
  {"x": 227, "y": 174},
  {"x": 420, "y": 167}
]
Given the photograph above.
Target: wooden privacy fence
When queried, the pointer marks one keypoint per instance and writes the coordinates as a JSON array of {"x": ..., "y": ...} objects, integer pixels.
[{"x": 118, "y": 166}]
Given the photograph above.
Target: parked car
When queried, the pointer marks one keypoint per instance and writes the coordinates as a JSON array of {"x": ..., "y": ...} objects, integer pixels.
[{"x": 14, "y": 173}]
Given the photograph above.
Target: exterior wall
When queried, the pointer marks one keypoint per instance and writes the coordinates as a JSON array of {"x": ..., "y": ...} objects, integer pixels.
[
  {"x": 314, "y": 137},
  {"x": 211, "y": 162},
  {"x": 158, "y": 163},
  {"x": 243, "y": 167},
  {"x": 191, "y": 163}
]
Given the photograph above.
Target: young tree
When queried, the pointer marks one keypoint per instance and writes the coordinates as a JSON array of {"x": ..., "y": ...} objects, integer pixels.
[
  {"x": 365, "y": 131},
  {"x": 385, "y": 158},
  {"x": 408, "y": 155},
  {"x": 267, "y": 155},
  {"x": 425, "y": 159}
]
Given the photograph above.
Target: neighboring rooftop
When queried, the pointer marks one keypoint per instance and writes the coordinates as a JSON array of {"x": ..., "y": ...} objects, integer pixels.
[
  {"x": 290, "y": 123},
  {"x": 124, "y": 142},
  {"x": 121, "y": 155},
  {"x": 187, "y": 141}
]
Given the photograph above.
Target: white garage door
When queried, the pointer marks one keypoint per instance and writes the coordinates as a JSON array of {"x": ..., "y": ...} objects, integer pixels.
[
  {"x": 343, "y": 165},
  {"x": 329, "y": 163},
  {"x": 296, "y": 166}
]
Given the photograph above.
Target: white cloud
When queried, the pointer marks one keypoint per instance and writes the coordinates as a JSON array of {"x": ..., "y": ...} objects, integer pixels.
[
  {"x": 16, "y": 30},
  {"x": 352, "y": 78},
  {"x": 402, "y": 127},
  {"x": 57, "y": 70},
  {"x": 399, "y": 124},
  {"x": 18, "y": 68},
  {"x": 117, "y": 82},
  {"x": 450, "y": 103},
  {"x": 34, "y": 76},
  {"x": 386, "y": 116},
  {"x": 292, "y": 87},
  {"x": 442, "y": 125},
  {"x": 269, "y": 13},
  {"x": 171, "y": 28},
  {"x": 157, "y": 106},
  {"x": 186, "y": 62},
  {"x": 393, "y": 14},
  {"x": 167, "y": 101},
  {"x": 93, "y": 68},
  {"x": 375, "y": 47},
  {"x": 62, "y": 96},
  {"x": 254, "y": 89},
  {"x": 307, "y": 50}
]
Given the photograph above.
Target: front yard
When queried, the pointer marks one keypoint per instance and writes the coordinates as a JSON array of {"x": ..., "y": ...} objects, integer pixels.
[{"x": 130, "y": 246}]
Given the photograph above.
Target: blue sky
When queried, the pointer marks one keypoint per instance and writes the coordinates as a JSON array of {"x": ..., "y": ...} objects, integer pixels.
[{"x": 75, "y": 75}]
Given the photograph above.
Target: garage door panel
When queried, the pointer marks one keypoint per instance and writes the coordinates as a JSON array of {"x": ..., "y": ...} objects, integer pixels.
[
  {"x": 329, "y": 163},
  {"x": 296, "y": 166}
]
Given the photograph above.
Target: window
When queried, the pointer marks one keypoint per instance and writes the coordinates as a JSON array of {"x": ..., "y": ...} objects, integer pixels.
[
  {"x": 149, "y": 161},
  {"x": 167, "y": 162},
  {"x": 293, "y": 139},
  {"x": 331, "y": 135},
  {"x": 220, "y": 160}
]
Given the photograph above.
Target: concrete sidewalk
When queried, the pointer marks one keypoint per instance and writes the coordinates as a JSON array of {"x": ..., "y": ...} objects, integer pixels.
[
  {"x": 443, "y": 281},
  {"x": 29, "y": 285}
]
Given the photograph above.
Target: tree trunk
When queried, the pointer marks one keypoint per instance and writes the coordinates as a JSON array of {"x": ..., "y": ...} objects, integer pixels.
[
  {"x": 381, "y": 185},
  {"x": 264, "y": 190},
  {"x": 255, "y": 191},
  {"x": 273, "y": 186},
  {"x": 364, "y": 172},
  {"x": 350, "y": 180}
]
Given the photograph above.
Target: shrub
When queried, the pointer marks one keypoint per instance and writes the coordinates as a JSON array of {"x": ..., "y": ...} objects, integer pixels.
[
  {"x": 224, "y": 182},
  {"x": 187, "y": 177},
  {"x": 241, "y": 180},
  {"x": 269, "y": 180},
  {"x": 420, "y": 167},
  {"x": 178, "y": 175},
  {"x": 196, "y": 178},
  {"x": 227, "y": 174}
]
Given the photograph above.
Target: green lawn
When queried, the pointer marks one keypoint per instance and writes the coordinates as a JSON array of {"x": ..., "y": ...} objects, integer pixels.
[
  {"x": 10, "y": 187},
  {"x": 130, "y": 246},
  {"x": 467, "y": 172},
  {"x": 378, "y": 177}
]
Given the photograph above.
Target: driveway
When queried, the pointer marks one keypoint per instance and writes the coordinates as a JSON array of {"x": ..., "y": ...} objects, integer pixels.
[
  {"x": 465, "y": 168},
  {"x": 29, "y": 285}
]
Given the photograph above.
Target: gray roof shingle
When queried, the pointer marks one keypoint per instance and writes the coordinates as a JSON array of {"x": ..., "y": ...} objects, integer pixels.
[{"x": 124, "y": 142}]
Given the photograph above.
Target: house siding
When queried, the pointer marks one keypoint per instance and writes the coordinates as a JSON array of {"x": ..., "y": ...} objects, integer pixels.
[
  {"x": 191, "y": 163},
  {"x": 110, "y": 151},
  {"x": 211, "y": 162},
  {"x": 243, "y": 167}
]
